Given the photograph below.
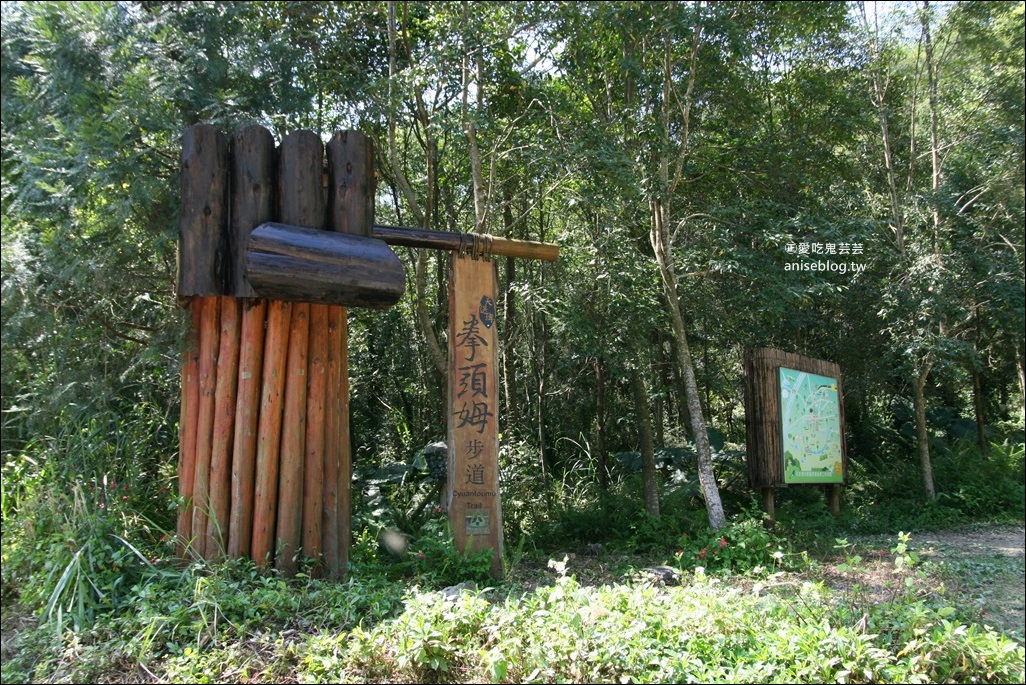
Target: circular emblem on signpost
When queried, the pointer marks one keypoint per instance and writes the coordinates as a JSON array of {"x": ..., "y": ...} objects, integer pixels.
[{"x": 487, "y": 311}]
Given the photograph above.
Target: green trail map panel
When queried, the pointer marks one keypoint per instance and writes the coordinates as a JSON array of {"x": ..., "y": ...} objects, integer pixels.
[{"x": 811, "y": 427}]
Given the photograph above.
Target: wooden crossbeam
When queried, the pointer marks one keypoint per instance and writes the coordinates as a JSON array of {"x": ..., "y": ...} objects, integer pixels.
[{"x": 469, "y": 243}]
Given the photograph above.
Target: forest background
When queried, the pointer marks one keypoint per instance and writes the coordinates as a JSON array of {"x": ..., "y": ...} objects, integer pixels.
[{"x": 706, "y": 169}]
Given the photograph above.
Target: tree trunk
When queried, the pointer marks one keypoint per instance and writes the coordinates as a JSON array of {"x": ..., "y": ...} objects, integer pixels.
[
  {"x": 539, "y": 355},
  {"x": 660, "y": 436},
  {"x": 600, "y": 424},
  {"x": 1020, "y": 366},
  {"x": 935, "y": 159},
  {"x": 683, "y": 415},
  {"x": 509, "y": 330},
  {"x": 648, "y": 468},
  {"x": 981, "y": 423},
  {"x": 660, "y": 237},
  {"x": 922, "y": 435},
  {"x": 881, "y": 82}
]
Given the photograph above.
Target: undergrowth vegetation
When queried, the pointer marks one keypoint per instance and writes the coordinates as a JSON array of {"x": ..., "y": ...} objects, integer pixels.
[
  {"x": 92, "y": 591},
  {"x": 232, "y": 622}
]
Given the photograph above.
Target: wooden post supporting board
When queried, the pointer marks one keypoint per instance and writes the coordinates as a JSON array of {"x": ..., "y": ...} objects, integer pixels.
[
  {"x": 474, "y": 508},
  {"x": 834, "y": 499},
  {"x": 767, "y": 506}
]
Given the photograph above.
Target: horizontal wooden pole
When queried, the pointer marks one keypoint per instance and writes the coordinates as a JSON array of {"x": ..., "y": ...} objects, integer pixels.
[
  {"x": 323, "y": 267},
  {"x": 485, "y": 245}
]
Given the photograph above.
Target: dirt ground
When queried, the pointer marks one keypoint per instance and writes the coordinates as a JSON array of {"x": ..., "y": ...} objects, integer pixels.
[
  {"x": 986, "y": 565},
  {"x": 981, "y": 568}
]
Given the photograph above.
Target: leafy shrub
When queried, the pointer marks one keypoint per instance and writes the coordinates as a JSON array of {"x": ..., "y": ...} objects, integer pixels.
[
  {"x": 435, "y": 562},
  {"x": 702, "y": 632},
  {"x": 74, "y": 554},
  {"x": 982, "y": 485},
  {"x": 744, "y": 545}
]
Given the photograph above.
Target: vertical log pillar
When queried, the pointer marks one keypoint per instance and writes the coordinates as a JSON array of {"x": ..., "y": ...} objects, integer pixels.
[
  {"x": 313, "y": 458},
  {"x": 302, "y": 204},
  {"x": 187, "y": 432},
  {"x": 351, "y": 188},
  {"x": 252, "y": 203},
  {"x": 204, "y": 217},
  {"x": 224, "y": 428},
  {"x": 265, "y": 492}
]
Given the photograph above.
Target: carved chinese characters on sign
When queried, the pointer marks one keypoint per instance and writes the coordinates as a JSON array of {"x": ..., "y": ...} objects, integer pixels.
[{"x": 474, "y": 508}]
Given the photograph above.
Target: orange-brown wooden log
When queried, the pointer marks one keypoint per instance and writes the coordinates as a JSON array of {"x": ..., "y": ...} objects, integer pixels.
[
  {"x": 265, "y": 493},
  {"x": 247, "y": 414},
  {"x": 345, "y": 459},
  {"x": 252, "y": 203},
  {"x": 333, "y": 444},
  {"x": 209, "y": 339},
  {"x": 224, "y": 427},
  {"x": 187, "y": 428},
  {"x": 293, "y": 439},
  {"x": 313, "y": 468}
]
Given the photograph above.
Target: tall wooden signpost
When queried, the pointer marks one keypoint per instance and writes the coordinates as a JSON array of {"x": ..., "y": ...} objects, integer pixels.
[
  {"x": 264, "y": 461},
  {"x": 473, "y": 493}
]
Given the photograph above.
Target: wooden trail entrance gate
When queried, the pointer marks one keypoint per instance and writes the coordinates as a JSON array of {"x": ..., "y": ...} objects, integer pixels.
[{"x": 264, "y": 460}]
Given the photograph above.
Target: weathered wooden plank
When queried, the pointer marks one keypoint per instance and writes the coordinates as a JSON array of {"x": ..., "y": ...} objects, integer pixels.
[
  {"x": 224, "y": 427},
  {"x": 247, "y": 415},
  {"x": 209, "y": 340},
  {"x": 202, "y": 248},
  {"x": 272, "y": 400},
  {"x": 473, "y": 492},
  {"x": 351, "y": 183},
  {"x": 252, "y": 197}
]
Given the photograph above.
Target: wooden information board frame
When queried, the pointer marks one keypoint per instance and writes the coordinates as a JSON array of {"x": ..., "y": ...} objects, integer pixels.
[{"x": 764, "y": 421}]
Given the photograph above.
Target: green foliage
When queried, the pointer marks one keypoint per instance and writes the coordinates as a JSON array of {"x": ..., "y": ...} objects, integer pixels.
[
  {"x": 978, "y": 486},
  {"x": 73, "y": 555},
  {"x": 701, "y": 632},
  {"x": 429, "y": 558},
  {"x": 618, "y": 517},
  {"x": 744, "y": 545}
]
